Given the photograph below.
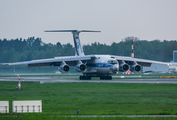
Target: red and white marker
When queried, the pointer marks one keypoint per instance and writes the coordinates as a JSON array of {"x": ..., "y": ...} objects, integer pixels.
[
  {"x": 132, "y": 50},
  {"x": 19, "y": 84},
  {"x": 127, "y": 72}
]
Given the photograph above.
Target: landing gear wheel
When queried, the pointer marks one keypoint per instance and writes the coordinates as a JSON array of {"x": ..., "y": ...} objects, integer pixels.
[
  {"x": 106, "y": 78},
  {"x": 109, "y": 77},
  {"x": 88, "y": 77},
  {"x": 85, "y": 77},
  {"x": 81, "y": 77}
]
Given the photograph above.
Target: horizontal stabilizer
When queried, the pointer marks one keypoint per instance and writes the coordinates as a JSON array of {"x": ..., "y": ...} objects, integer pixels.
[{"x": 71, "y": 31}]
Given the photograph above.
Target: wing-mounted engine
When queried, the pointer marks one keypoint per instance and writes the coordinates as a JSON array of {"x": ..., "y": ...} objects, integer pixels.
[
  {"x": 64, "y": 67},
  {"x": 123, "y": 67},
  {"x": 135, "y": 67},
  {"x": 80, "y": 67}
]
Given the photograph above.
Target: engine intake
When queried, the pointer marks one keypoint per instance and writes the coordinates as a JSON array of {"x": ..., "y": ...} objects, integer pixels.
[
  {"x": 64, "y": 68},
  {"x": 80, "y": 67},
  {"x": 123, "y": 67},
  {"x": 135, "y": 68}
]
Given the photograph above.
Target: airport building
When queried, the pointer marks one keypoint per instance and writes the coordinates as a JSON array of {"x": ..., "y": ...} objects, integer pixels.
[
  {"x": 172, "y": 68},
  {"x": 159, "y": 68},
  {"x": 175, "y": 56}
]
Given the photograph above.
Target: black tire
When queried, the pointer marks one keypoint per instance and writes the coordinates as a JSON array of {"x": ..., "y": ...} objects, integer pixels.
[
  {"x": 110, "y": 77},
  {"x": 88, "y": 77},
  {"x": 106, "y": 78}
]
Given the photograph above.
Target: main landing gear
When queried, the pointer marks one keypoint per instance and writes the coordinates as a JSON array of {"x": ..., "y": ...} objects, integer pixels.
[
  {"x": 101, "y": 78},
  {"x": 85, "y": 77},
  {"x": 106, "y": 78}
]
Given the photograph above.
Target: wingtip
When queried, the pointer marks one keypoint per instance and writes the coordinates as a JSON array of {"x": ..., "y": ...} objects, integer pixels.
[
  {"x": 46, "y": 31},
  {"x": 1, "y": 64}
]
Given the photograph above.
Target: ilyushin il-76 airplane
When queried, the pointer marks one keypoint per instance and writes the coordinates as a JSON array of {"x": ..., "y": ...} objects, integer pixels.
[{"x": 102, "y": 66}]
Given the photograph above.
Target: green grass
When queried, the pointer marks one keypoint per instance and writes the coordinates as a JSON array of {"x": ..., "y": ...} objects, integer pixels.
[
  {"x": 40, "y": 117},
  {"x": 95, "y": 98}
]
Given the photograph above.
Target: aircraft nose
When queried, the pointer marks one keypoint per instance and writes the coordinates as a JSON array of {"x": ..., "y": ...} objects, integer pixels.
[{"x": 115, "y": 68}]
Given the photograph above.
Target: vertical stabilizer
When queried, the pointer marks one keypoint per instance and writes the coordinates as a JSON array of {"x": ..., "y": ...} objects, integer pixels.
[{"x": 77, "y": 43}]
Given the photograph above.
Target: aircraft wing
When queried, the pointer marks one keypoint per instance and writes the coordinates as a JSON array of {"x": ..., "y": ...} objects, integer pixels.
[
  {"x": 70, "y": 60},
  {"x": 142, "y": 62}
]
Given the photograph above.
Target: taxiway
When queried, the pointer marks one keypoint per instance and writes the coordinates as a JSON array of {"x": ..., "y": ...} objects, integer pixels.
[{"x": 76, "y": 80}]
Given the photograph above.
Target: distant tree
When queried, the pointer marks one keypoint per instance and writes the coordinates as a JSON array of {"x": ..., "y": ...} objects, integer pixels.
[
  {"x": 37, "y": 42},
  {"x": 59, "y": 45},
  {"x": 130, "y": 38},
  {"x": 30, "y": 41},
  {"x": 168, "y": 51}
]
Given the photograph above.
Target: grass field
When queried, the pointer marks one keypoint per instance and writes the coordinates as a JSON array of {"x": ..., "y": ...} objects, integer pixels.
[
  {"x": 95, "y": 98},
  {"x": 40, "y": 117}
]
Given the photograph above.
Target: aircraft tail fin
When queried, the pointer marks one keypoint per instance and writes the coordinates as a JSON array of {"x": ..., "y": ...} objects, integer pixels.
[{"x": 77, "y": 43}]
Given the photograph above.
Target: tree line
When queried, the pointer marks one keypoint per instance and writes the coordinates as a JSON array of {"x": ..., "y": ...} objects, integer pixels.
[{"x": 16, "y": 50}]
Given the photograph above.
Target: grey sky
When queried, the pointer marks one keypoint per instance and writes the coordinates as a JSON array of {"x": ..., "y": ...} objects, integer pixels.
[{"x": 116, "y": 19}]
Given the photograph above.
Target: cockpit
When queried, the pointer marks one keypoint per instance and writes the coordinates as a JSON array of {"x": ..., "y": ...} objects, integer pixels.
[{"x": 112, "y": 62}]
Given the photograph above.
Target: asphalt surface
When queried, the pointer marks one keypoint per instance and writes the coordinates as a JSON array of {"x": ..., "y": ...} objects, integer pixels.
[{"x": 75, "y": 79}]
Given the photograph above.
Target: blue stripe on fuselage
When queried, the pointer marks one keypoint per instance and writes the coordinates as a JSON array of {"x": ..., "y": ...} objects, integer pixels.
[{"x": 99, "y": 65}]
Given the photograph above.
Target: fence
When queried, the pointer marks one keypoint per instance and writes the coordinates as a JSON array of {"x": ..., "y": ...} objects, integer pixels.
[
  {"x": 4, "y": 106},
  {"x": 27, "y": 106}
]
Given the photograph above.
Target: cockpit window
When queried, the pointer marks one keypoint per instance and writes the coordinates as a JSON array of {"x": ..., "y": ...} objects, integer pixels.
[{"x": 112, "y": 62}]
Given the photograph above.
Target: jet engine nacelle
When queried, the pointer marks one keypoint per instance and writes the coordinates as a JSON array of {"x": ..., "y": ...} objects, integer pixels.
[
  {"x": 123, "y": 67},
  {"x": 135, "y": 68},
  {"x": 64, "y": 68},
  {"x": 80, "y": 67}
]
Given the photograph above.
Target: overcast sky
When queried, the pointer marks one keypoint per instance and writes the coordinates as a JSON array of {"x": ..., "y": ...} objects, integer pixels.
[{"x": 116, "y": 19}]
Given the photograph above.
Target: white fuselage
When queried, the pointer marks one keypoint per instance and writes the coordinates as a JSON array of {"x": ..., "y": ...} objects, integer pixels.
[{"x": 102, "y": 65}]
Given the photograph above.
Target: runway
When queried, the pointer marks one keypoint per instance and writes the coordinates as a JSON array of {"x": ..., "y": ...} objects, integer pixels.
[{"x": 75, "y": 79}]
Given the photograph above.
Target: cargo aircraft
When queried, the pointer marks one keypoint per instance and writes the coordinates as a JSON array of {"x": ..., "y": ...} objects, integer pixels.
[{"x": 102, "y": 66}]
